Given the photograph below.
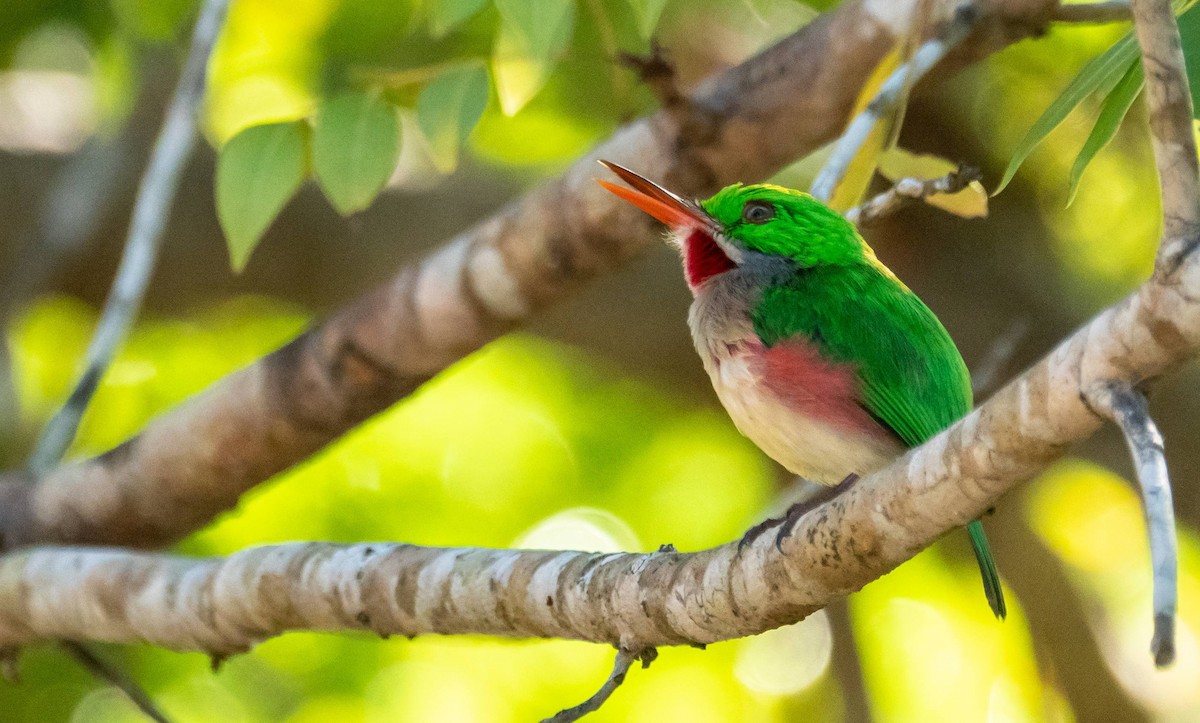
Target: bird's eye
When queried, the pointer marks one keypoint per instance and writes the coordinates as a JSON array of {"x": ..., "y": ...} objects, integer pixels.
[{"x": 758, "y": 212}]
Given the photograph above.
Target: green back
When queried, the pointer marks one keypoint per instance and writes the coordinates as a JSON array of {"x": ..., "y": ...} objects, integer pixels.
[{"x": 911, "y": 375}]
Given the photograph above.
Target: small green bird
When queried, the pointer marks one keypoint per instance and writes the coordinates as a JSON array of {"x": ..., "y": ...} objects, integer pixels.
[{"x": 821, "y": 356}]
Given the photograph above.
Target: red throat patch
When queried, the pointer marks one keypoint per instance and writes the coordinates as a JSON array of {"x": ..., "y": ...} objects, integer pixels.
[{"x": 703, "y": 259}]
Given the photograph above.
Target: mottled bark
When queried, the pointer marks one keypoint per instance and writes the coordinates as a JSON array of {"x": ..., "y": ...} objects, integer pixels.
[
  {"x": 223, "y": 606},
  {"x": 747, "y": 122}
]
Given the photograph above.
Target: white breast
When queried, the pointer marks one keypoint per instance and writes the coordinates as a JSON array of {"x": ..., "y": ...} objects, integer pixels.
[{"x": 805, "y": 445}]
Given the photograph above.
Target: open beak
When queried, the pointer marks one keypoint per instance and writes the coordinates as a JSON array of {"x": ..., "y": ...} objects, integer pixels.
[{"x": 657, "y": 201}]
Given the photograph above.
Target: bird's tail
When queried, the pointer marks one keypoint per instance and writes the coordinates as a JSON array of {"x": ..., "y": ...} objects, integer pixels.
[{"x": 987, "y": 569}]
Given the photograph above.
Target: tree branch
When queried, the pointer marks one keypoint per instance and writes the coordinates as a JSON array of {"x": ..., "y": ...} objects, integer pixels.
[
  {"x": 1127, "y": 408},
  {"x": 1100, "y": 12},
  {"x": 196, "y": 461},
  {"x": 625, "y": 660},
  {"x": 1169, "y": 101},
  {"x": 151, "y": 208},
  {"x": 923, "y": 60},
  {"x": 908, "y": 189}
]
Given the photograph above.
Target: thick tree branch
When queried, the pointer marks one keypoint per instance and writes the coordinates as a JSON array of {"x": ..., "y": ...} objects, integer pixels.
[
  {"x": 1169, "y": 100},
  {"x": 198, "y": 459}
]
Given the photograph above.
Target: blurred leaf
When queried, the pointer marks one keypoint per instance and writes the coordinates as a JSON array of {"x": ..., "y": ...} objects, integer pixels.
[
  {"x": 446, "y": 15},
  {"x": 862, "y": 168},
  {"x": 647, "y": 13},
  {"x": 448, "y": 109},
  {"x": 356, "y": 140},
  {"x": 155, "y": 20},
  {"x": 897, "y": 163},
  {"x": 532, "y": 35},
  {"x": 1116, "y": 105},
  {"x": 258, "y": 170}
]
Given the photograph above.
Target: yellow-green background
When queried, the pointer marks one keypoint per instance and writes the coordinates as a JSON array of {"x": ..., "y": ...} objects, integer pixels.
[{"x": 596, "y": 430}]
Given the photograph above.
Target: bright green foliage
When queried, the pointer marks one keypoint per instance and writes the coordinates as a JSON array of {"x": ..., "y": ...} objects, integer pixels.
[
  {"x": 1189, "y": 34},
  {"x": 533, "y": 35},
  {"x": 1117, "y": 72},
  {"x": 448, "y": 109},
  {"x": 647, "y": 13},
  {"x": 258, "y": 170},
  {"x": 1116, "y": 105},
  {"x": 356, "y": 139},
  {"x": 1102, "y": 71},
  {"x": 446, "y": 15}
]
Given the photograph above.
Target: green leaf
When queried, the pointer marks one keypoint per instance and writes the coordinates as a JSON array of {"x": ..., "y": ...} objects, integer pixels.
[
  {"x": 1103, "y": 73},
  {"x": 1104, "y": 69},
  {"x": 258, "y": 170},
  {"x": 1189, "y": 33},
  {"x": 446, "y": 15},
  {"x": 448, "y": 109},
  {"x": 533, "y": 33},
  {"x": 356, "y": 140},
  {"x": 1116, "y": 105},
  {"x": 647, "y": 13}
]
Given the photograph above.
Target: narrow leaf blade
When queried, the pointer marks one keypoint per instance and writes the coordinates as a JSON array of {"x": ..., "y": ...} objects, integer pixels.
[
  {"x": 1102, "y": 70},
  {"x": 448, "y": 109},
  {"x": 258, "y": 170},
  {"x": 1116, "y": 105},
  {"x": 356, "y": 140}
]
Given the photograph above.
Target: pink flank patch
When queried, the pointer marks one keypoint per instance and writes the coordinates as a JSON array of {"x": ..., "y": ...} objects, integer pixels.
[
  {"x": 812, "y": 385},
  {"x": 703, "y": 259}
]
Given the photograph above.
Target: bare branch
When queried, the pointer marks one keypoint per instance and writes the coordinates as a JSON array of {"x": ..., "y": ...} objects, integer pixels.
[
  {"x": 1169, "y": 101},
  {"x": 195, "y": 461},
  {"x": 986, "y": 373},
  {"x": 1099, "y": 12},
  {"x": 658, "y": 73},
  {"x": 927, "y": 56},
  {"x": 151, "y": 208},
  {"x": 1126, "y": 407},
  {"x": 625, "y": 659},
  {"x": 907, "y": 190}
]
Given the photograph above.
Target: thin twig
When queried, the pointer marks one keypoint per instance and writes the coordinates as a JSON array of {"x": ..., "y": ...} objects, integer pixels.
[
  {"x": 1102, "y": 12},
  {"x": 909, "y": 189},
  {"x": 987, "y": 371},
  {"x": 658, "y": 73},
  {"x": 625, "y": 660},
  {"x": 928, "y": 55},
  {"x": 1126, "y": 407},
  {"x": 154, "y": 198},
  {"x": 113, "y": 674}
]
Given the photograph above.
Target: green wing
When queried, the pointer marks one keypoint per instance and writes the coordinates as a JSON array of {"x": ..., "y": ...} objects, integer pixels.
[{"x": 911, "y": 375}]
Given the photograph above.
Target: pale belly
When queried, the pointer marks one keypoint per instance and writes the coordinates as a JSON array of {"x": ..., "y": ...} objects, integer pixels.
[{"x": 803, "y": 443}]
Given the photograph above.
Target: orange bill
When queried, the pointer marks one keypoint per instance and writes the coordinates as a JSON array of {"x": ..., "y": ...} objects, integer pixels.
[{"x": 656, "y": 200}]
